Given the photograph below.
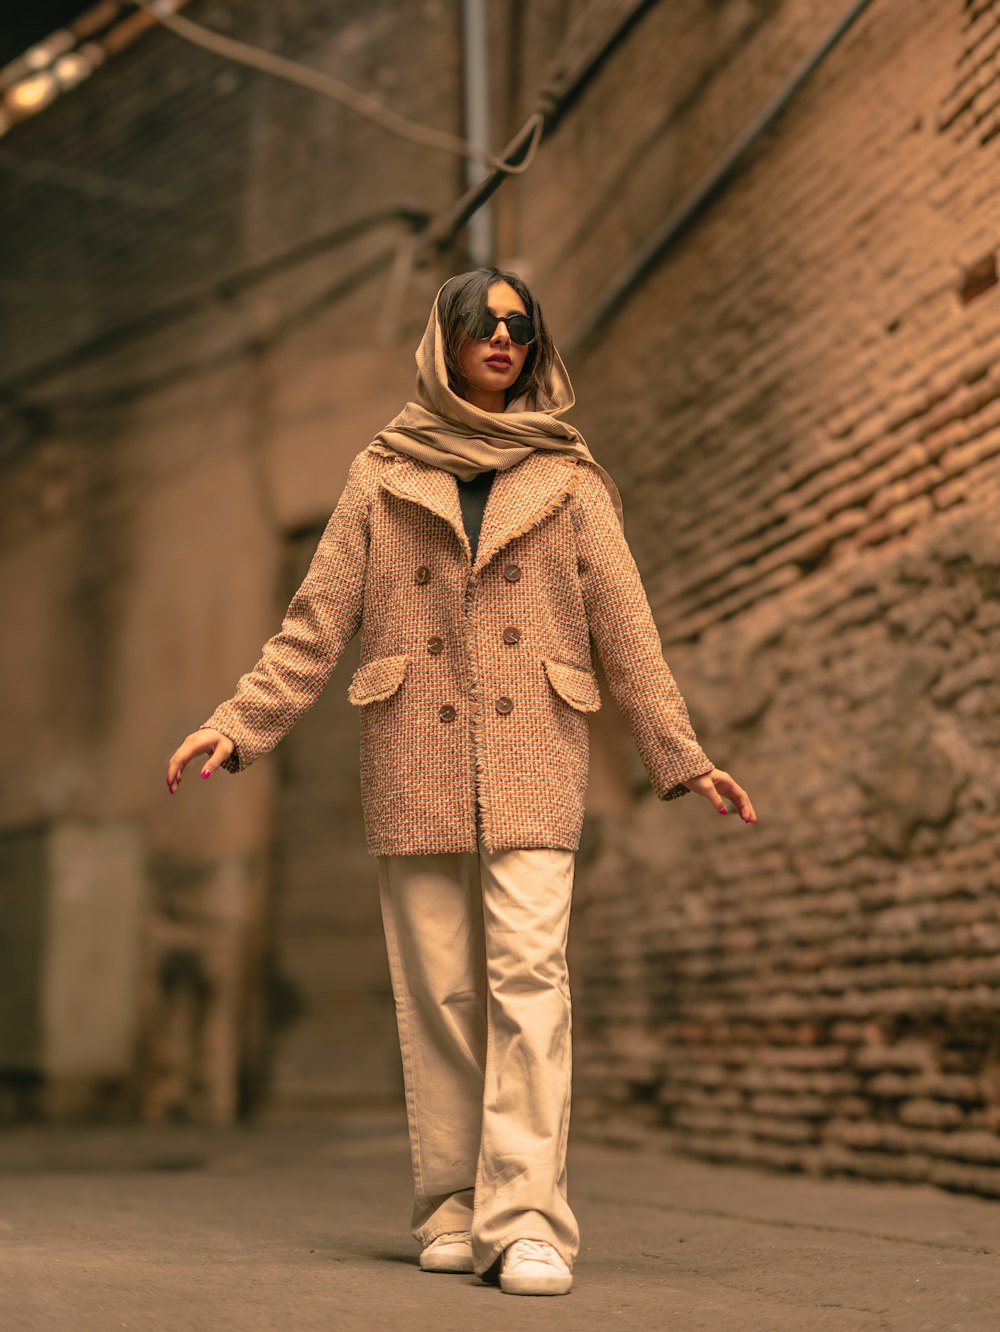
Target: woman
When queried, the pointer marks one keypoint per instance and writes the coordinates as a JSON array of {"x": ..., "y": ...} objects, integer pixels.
[{"x": 473, "y": 692}]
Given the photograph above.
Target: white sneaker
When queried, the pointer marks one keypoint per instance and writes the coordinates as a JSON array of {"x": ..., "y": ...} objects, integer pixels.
[
  {"x": 534, "y": 1267},
  {"x": 448, "y": 1253}
]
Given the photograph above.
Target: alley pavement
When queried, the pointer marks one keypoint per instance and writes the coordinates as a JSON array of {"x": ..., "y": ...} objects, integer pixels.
[{"x": 303, "y": 1226}]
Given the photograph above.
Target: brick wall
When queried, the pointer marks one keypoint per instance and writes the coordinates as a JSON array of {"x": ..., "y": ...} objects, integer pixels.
[{"x": 801, "y": 404}]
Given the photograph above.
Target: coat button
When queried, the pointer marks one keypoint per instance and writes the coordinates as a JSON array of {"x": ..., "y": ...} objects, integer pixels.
[
  {"x": 505, "y": 704},
  {"x": 423, "y": 574},
  {"x": 512, "y": 634},
  {"x": 512, "y": 572},
  {"x": 434, "y": 645},
  {"x": 446, "y": 712}
]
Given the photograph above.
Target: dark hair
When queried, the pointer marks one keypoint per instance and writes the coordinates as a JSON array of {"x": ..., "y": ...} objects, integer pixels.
[{"x": 462, "y": 300}]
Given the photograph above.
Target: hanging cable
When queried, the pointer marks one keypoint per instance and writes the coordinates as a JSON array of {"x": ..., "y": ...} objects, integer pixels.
[
  {"x": 589, "y": 46},
  {"x": 280, "y": 67}
]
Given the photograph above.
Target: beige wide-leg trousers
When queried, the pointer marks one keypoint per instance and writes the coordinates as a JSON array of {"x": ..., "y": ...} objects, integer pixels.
[{"x": 476, "y": 943}]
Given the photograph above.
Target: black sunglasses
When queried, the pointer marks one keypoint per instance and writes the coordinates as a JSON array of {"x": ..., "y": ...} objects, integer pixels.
[{"x": 483, "y": 325}]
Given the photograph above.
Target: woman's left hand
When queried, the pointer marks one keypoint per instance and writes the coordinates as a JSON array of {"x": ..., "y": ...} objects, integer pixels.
[{"x": 716, "y": 784}]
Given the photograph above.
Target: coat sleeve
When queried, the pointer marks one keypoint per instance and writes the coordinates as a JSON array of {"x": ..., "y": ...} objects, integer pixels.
[
  {"x": 322, "y": 618},
  {"x": 622, "y": 625}
]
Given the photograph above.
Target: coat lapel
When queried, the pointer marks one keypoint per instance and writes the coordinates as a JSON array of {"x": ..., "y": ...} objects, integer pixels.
[
  {"x": 519, "y": 498},
  {"x": 432, "y": 487}
]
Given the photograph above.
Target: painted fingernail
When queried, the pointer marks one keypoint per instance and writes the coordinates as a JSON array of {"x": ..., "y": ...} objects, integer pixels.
[
  {"x": 206, "y": 772},
  {"x": 723, "y": 810}
]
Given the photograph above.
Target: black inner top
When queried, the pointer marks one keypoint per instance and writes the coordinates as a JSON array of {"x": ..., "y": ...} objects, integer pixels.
[{"x": 472, "y": 497}]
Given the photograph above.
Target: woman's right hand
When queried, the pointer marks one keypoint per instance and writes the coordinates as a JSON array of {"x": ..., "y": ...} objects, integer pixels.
[{"x": 214, "y": 743}]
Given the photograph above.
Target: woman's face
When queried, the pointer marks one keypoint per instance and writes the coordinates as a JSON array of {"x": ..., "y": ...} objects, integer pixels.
[{"x": 490, "y": 365}]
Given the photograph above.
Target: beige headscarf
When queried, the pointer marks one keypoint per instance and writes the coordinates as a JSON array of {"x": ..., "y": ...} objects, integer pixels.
[{"x": 447, "y": 431}]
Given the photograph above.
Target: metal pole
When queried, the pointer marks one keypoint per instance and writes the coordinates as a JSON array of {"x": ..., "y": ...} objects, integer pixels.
[{"x": 476, "y": 96}]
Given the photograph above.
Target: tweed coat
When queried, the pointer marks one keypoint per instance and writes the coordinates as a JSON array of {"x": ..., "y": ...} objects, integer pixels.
[{"x": 476, "y": 678}]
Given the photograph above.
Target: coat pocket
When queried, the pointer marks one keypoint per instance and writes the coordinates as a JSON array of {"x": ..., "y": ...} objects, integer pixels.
[
  {"x": 574, "y": 685},
  {"x": 377, "y": 679}
]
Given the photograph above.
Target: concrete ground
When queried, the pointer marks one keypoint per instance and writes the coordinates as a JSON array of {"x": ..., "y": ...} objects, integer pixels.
[{"x": 305, "y": 1226}]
